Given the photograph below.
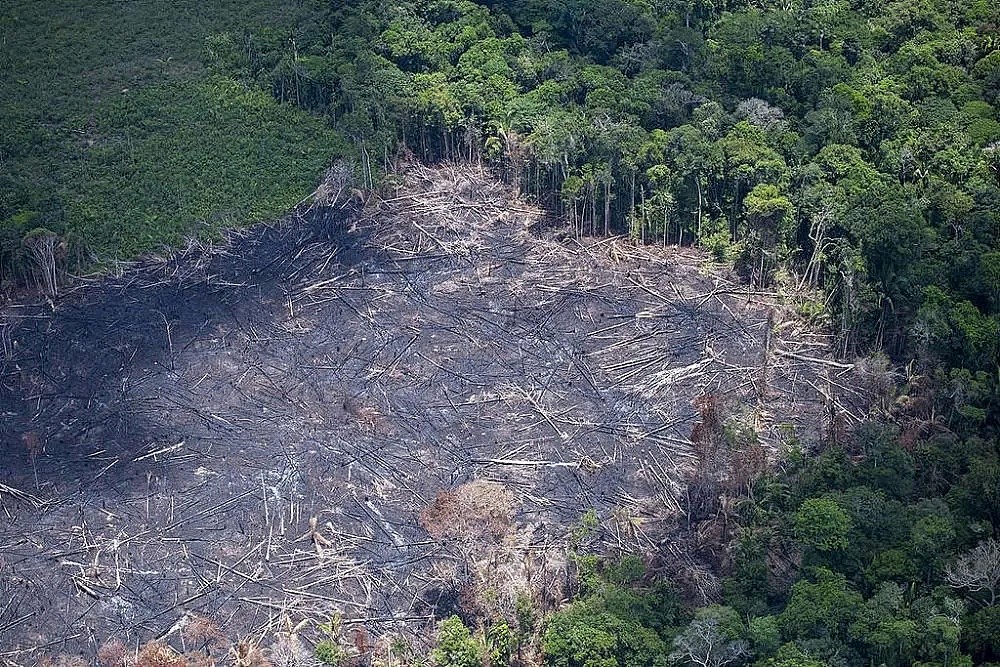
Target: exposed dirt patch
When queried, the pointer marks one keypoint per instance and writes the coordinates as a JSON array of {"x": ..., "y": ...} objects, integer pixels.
[{"x": 253, "y": 431}]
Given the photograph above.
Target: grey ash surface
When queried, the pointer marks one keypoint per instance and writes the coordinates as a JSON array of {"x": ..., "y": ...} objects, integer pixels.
[{"x": 172, "y": 431}]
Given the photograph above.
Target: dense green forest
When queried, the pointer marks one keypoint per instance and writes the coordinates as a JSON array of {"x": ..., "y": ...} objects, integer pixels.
[
  {"x": 846, "y": 152},
  {"x": 114, "y": 136}
]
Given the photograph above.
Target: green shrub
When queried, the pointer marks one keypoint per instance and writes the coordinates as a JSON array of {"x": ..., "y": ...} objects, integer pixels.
[
  {"x": 456, "y": 645},
  {"x": 329, "y": 652}
]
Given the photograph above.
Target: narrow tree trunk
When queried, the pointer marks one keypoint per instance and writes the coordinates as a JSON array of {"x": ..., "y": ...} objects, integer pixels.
[
  {"x": 632, "y": 196},
  {"x": 697, "y": 183},
  {"x": 642, "y": 218},
  {"x": 607, "y": 207}
]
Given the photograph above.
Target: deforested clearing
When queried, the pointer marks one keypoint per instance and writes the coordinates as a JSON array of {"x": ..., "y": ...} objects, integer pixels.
[{"x": 374, "y": 411}]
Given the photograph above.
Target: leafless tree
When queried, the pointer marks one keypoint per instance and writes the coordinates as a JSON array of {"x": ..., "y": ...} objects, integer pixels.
[
  {"x": 703, "y": 643},
  {"x": 6, "y": 340},
  {"x": 978, "y": 570},
  {"x": 289, "y": 651},
  {"x": 45, "y": 247},
  {"x": 758, "y": 112},
  {"x": 337, "y": 180}
]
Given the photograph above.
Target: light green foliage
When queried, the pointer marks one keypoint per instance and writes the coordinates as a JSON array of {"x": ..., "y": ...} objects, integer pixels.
[
  {"x": 790, "y": 655},
  {"x": 574, "y": 642},
  {"x": 769, "y": 217},
  {"x": 526, "y": 617},
  {"x": 501, "y": 642},
  {"x": 767, "y": 207},
  {"x": 212, "y": 155},
  {"x": 329, "y": 652},
  {"x": 765, "y": 635},
  {"x": 119, "y": 141},
  {"x": 583, "y": 636},
  {"x": 456, "y": 646},
  {"x": 821, "y": 524},
  {"x": 585, "y": 529},
  {"x": 884, "y": 625}
]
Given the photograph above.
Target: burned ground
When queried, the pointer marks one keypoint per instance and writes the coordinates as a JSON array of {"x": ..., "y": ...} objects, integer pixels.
[{"x": 252, "y": 432}]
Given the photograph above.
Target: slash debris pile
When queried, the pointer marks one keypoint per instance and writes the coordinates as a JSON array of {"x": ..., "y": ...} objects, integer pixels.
[{"x": 270, "y": 430}]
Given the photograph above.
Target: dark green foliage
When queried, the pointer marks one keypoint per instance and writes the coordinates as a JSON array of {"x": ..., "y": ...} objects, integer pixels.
[
  {"x": 747, "y": 588},
  {"x": 614, "y": 624},
  {"x": 981, "y": 634},
  {"x": 891, "y": 565},
  {"x": 878, "y": 523},
  {"x": 899, "y": 582},
  {"x": 821, "y": 606},
  {"x": 885, "y": 466}
]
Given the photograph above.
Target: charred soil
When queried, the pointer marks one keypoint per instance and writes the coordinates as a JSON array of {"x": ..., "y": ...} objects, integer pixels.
[{"x": 277, "y": 427}]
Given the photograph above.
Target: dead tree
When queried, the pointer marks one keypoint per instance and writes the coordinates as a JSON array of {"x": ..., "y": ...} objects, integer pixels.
[
  {"x": 337, "y": 180},
  {"x": 978, "y": 570},
  {"x": 45, "y": 249}
]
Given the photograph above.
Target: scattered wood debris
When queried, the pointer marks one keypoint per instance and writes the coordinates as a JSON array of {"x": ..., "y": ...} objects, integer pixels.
[{"x": 252, "y": 431}]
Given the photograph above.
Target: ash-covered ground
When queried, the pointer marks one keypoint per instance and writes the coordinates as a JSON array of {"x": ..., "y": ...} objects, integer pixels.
[{"x": 251, "y": 432}]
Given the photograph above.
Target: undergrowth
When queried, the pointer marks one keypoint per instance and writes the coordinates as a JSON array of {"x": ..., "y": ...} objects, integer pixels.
[{"x": 116, "y": 137}]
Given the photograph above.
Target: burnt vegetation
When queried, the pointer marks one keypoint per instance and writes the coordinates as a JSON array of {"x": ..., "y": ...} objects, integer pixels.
[{"x": 300, "y": 405}]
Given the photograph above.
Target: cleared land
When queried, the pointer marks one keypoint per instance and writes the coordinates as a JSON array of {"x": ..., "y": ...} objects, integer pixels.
[{"x": 252, "y": 431}]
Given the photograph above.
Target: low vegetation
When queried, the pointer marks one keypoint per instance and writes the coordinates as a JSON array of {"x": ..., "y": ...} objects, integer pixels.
[{"x": 116, "y": 138}]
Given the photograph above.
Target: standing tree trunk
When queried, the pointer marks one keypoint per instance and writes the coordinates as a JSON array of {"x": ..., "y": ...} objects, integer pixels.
[
  {"x": 44, "y": 247},
  {"x": 697, "y": 184},
  {"x": 607, "y": 207}
]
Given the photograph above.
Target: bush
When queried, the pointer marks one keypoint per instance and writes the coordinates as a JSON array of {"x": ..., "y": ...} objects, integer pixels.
[
  {"x": 456, "y": 645},
  {"x": 614, "y": 626}
]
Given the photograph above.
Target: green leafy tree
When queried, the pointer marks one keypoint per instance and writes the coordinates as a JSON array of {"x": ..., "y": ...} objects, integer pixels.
[
  {"x": 981, "y": 635},
  {"x": 613, "y": 625},
  {"x": 931, "y": 540},
  {"x": 790, "y": 655},
  {"x": 884, "y": 625},
  {"x": 769, "y": 217},
  {"x": 821, "y": 524},
  {"x": 456, "y": 646},
  {"x": 822, "y": 605}
]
